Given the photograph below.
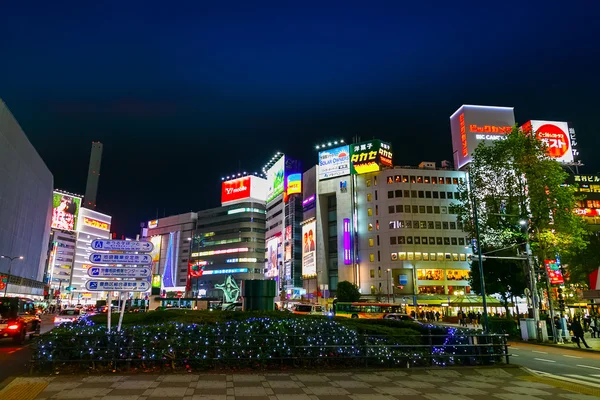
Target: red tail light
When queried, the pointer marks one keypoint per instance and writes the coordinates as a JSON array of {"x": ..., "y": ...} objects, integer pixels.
[{"x": 13, "y": 327}]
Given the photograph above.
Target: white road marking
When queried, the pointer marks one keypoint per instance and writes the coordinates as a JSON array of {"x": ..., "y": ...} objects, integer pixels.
[
  {"x": 565, "y": 355},
  {"x": 564, "y": 378},
  {"x": 587, "y": 366},
  {"x": 514, "y": 355},
  {"x": 585, "y": 378},
  {"x": 543, "y": 359},
  {"x": 539, "y": 352}
]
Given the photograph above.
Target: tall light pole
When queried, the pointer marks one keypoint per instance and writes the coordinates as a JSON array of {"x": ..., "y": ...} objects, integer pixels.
[
  {"x": 11, "y": 259},
  {"x": 388, "y": 272}
]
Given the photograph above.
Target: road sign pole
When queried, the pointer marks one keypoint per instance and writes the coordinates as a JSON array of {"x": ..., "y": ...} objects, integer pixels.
[
  {"x": 125, "y": 295},
  {"x": 109, "y": 303}
]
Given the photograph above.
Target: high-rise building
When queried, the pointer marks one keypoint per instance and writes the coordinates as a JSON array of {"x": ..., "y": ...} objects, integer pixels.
[
  {"x": 91, "y": 188},
  {"x": 25, "y": 210}
]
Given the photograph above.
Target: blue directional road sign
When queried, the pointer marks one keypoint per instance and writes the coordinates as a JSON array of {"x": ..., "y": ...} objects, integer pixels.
[
  {"x": 122, "y": 245},
  {"x": 125, "y": 259},
  {"x": 118, "y": 286},
  {"x": 119, "y": 272}
]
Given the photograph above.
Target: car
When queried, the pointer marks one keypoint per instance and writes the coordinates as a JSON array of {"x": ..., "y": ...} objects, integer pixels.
[
  {"x": 309, "y": 309},
  {"x": 401, "y": 317},
  {"x": 67, "y": 315},
  {"x": 18, "y": 317}
]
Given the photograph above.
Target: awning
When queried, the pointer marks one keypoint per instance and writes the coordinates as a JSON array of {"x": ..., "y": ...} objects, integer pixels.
[
  {"x": 431, "y": 299},
  {"x": 475, "y": 301}
]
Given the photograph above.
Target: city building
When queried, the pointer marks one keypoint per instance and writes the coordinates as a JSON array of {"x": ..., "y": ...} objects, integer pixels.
[
  {"x": 91, "y": 225},
  {"x": 25, "y": 210},
  {"x": 228, "y": 243},
  {"x": 66, "y": 210},
  {"x": 587, "y": 187},
  {"x": 172, "y": 238},
  {"x": 284, "y": 225},
  {"x": 410, "y": 245}
]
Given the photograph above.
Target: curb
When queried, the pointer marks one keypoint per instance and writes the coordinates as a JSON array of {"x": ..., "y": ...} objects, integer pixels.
[{"x": 561, "y": 346}]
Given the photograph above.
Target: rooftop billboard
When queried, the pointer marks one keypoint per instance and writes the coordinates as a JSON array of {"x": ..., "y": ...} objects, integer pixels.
[
  {"x": 471, "y": 125},
  {"x": 276, "y": 179},
  {"x": 370, "y": 156},
  {"x": 244, "y": 188},
  {"x": 555, "y": 135},
  {"x": 65, "y": 211},
  {"x": 334, "y": 162}
]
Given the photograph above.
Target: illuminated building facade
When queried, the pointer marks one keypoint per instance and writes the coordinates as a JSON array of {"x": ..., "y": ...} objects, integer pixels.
[
  {"x": 25, "y": 208},
  {"x": 588, "y": 187}
]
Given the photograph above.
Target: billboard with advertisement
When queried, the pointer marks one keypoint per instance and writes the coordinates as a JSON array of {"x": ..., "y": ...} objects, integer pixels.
[
  {"x": 471, "y": 125},
  {"x": 155, "y": 253},
  {"x": 276, "y": 179},
  {"x": 309, "y": 254},
  {"x": 294, "y": 184},
  {"x": 554, "y": 272},
  {"x": 370, "y": 156},
  {"x": 65, "y": 210},
  {"x": 555, "y": 135},
  {"x": 272, "y": 258},
  {"x": 244, "y": 188},
  {"x": 334, "y": 162}
]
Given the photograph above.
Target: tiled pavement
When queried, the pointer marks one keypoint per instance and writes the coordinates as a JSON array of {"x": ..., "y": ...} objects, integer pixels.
[{"x": 431, "y": 384}]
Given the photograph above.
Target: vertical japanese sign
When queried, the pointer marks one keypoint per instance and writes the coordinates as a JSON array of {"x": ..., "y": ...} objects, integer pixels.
[
  {"x": 347, "y": 243},
  {"x": 309, "y": 259}
]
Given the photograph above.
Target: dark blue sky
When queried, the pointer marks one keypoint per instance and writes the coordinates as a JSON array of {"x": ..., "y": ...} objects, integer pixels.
[{"x": 181, "y": 95}]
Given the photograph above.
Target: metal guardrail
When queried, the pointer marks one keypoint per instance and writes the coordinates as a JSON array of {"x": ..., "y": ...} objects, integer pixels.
[{"x": 182, "y": 351}]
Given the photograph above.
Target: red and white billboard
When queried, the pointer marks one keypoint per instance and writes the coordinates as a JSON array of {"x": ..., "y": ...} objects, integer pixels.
[
  {"x": 471, "y": 125},
  {"x": 244, "y": 188},
  {"x": 555, "y": 135}
]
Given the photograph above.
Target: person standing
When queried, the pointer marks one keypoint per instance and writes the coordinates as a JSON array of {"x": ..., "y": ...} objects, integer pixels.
[
  {"x": 558, "y": 326},
  {"x": 578, "y": 333},
  {"x": 593, "y": 325}
]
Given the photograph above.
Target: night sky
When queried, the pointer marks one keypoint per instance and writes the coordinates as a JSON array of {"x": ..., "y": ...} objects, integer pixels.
[{"x": 181, "y": 95}]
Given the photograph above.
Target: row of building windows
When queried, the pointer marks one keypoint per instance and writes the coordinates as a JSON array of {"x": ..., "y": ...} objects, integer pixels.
[
  {"x": 409, "y": 224},
  {"x": 448, "y": 241},
  {"x": 438, "y": 275},
  {"x": 411, "y": 209},
  {"x": 424, "y": 179},
  {"x": 442, "y": 290},
  {"x": 588, "y": 203},
  {"x": 418, "y": 256},
  {"x": 423, "y": 194}
]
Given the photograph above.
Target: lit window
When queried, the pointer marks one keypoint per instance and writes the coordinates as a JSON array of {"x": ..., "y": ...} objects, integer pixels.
[
  {"x": 370, "y": 212},
  {"x": 371, "y": 242},
  {"x": 368, "y": 183},
  {"x": 370, "y": 227},
  {"x": 369, "y": 197},
  {"x": 372, "y": 274}
]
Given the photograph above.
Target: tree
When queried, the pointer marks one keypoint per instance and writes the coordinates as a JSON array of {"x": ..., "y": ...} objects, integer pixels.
[
  {"x": 520, "y": 194},
  {"x": 580, "y": 265},
  {"x": 347, "y": 292}
]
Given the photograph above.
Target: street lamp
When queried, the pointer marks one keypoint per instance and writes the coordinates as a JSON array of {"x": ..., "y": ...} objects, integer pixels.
[{"x": 9, "y": 268}]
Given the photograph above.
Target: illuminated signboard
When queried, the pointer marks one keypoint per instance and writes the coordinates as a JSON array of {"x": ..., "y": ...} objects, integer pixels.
[
  {"x": 587, "y": 212},
  {"x": 294, "y": 184},
  {"x": 217, "y": 252},
  {"x": 370, "y": 156},
  {"x": 347, "y": 243},
  {"x": 554, "y": 272},
  {"x": 555, "y": 135},
  {"x": 276, "y": 179},
  {"x": 156, "y": 281},
  {"x": 334, "y": 162},
  {"x": 273, "y": 258},
  {"x": 65, "y": 210},
  {"x": 153, "y": 224},
  {"x": 236, "y": 189},
  {"x": 471, "y": 125},
  {"x": 96, "y": 224},
  {"x": 309, "y": 257}
]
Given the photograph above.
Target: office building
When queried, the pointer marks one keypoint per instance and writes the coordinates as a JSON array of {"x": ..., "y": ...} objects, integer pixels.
[
  {"x": 91, "y": 188},
  {"x": 25, "y": 210}
]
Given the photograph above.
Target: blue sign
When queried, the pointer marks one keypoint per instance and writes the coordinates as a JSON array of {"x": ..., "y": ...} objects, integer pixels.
[
  {"x": 122, "y": 245},
  {"x": 124, "y": 259},
  {"x": 118, "y": 286},
  {"x": 119, "y": 272}
]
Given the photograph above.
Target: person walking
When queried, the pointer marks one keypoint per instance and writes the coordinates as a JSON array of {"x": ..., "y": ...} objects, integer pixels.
[
  {"x": 558, "y": 325},
  {"x": 578, "y": 333}
]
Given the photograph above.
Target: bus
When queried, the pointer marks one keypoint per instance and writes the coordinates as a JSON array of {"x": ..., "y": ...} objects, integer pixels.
[{"x": 366, "y": 310}]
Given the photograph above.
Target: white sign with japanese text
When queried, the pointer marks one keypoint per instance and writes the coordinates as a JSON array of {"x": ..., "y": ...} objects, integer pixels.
[{"x": 129, "y": 259}]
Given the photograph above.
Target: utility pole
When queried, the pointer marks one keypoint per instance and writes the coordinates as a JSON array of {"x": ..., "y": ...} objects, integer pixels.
[{"x": 534, "y": 296}]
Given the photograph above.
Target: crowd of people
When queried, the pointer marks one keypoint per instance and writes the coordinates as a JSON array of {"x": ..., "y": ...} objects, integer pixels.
[
  {"x": 426, "y": 315},
  {"x": 471, "y": 318}
]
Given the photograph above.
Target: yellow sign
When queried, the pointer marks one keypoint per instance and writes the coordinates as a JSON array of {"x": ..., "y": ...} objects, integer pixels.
[{"x": 95, "y": 223}]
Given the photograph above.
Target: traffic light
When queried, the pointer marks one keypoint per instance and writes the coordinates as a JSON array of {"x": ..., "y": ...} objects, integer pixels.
[{"x": 561, "y": 300}]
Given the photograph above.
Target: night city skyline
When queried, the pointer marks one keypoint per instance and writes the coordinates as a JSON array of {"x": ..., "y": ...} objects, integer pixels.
[{"x": 182, "y": 97}]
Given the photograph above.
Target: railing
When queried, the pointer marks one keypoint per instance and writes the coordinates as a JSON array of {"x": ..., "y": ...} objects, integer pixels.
[{"x": 184, "y": 351}]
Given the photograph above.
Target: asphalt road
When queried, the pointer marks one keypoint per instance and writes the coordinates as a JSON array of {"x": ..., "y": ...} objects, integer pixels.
[
  {"x": 14, "y": 359},
  {"x": 572, "y": 365}
]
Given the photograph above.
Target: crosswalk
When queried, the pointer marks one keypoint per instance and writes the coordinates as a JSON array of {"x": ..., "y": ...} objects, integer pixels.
[{"x": 589, "y": 380}]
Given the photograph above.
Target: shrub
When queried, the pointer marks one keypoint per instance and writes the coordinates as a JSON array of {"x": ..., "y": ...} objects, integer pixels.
[{"x": 503, "y": 326}]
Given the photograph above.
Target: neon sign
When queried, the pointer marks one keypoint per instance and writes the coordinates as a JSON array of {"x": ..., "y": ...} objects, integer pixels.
[
  {"x": 95, "y": 223},
  {"x": 463, "y": 135}
]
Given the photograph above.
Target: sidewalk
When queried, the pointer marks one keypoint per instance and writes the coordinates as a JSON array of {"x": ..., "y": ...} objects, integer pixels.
[{"x": 431, "y": 384}]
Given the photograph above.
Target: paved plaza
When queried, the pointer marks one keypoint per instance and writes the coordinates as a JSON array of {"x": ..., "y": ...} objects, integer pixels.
[{"x": 432, "y": 384}]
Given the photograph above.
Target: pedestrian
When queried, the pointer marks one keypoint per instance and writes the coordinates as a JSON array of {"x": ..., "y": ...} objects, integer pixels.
[
  {"x": 593, "y": 326},
  {"x": 478, "y": 318},
  {"x": 578, "y": 333},
  {"x": 558, "y": 326},
  {"x": 437, "y": 316}
]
